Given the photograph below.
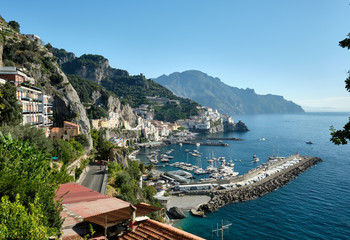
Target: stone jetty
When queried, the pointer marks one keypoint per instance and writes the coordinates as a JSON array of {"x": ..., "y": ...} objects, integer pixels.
[{"x": 222, "y": 197}]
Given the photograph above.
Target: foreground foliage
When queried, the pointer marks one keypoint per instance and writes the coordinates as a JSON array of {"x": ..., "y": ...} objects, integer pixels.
[
  {"x": 343, "y": 136},
  {"x": 126, "y": 182},
  {"x": 11, "y": 112},
  {"x": 28, "y": 187}
]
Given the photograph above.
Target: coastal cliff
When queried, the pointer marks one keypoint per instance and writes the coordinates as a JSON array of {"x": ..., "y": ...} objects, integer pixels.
[
  {"x": 224, "y": 127},
  {"x": 36, "y": 61},
  {"x": 222, "y": 197}
]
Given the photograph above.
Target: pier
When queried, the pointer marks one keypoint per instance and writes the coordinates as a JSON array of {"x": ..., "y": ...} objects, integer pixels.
[
  {"x": 205, "y": 143},
  {"x": 259, "y": 188},
  {"x": 218, "y": 138}
]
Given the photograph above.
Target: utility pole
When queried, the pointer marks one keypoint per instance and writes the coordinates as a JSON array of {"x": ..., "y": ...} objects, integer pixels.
[{"x": 223, "y": 227}]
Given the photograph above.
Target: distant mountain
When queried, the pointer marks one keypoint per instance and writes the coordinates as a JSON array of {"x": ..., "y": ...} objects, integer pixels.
[{"x": 212, "y": 92}]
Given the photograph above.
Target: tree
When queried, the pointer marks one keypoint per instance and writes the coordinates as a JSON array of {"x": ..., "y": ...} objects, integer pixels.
[
  {"x": 2, "y": 106},
  {"x": 343, "y": 136},
  {"x": 14, "y": 25},
  {"x": 29, "y": 133},
  {"x": 19, "y": 222},
  {"x": 11, "y": 114},
  {"x": 25, "y": 171}
]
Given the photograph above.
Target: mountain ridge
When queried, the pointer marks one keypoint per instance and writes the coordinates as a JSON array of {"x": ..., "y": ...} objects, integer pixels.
[{"x": 211, "y": 91}]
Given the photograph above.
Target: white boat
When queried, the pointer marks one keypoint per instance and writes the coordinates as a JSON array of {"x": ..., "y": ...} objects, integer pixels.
[
  {"x": 262, "y": 139},
  {"x": 199, "y": 171},
  {"x": 180, "y": 144},
  {"x": 255, "y": 158},
  {"x": 198, "y": 144},
  {"x": 195, "y": 155},
  {"x": 170, "y": 151}
]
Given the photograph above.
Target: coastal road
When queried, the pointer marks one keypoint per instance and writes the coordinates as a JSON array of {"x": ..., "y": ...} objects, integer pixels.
[{"x": 94, "y": 177}]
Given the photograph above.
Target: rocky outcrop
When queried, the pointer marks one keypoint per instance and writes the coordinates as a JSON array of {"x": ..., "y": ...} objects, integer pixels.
[
  {"x": 124, "y": 111},
  {"x": 176, "y": 213},
  {"x": 91, "y": 67},
  {"x": 240, "y": 127},
  {"x": 224, "y": 127},
  {"x": 49, "y": 78},
  {"x": 218, "y": 128},
  {"x": 242, "y": 194},
  {"x": 67, "y": 105},
  {"x": 119, "y": 155}
]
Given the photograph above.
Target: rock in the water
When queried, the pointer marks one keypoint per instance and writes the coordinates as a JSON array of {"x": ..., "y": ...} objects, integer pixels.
[
  {"x": 176, "y": 213},
  {"x": 240, "y": 127}
]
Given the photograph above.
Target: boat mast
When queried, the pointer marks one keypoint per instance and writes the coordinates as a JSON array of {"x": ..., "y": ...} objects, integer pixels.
[{"x": 223, "y": 227}]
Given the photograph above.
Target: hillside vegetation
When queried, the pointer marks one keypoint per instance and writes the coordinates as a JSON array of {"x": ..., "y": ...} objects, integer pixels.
[{"x": 130, "y": 89}]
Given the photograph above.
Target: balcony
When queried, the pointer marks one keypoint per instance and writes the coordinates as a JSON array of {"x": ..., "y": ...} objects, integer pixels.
[
  {"x": 25, "y": 98},
  {"x": 30, "y": 86}
]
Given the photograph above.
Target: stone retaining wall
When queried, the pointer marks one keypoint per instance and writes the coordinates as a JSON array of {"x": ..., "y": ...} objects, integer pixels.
[{"x": 222, "y": 197}]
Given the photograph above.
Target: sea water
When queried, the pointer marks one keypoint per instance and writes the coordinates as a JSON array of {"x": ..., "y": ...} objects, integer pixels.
[{"x": 315, "y": 205}]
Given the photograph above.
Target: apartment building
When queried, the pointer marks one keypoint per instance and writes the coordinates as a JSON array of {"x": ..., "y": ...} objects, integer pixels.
[{"x": 36, "y": 106}]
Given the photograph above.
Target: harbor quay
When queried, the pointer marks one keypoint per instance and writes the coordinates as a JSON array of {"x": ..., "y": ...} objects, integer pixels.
[
  {"x": 218, "y": 138},
  {"x": 205, "y": 143},
  {"x": 251, "y": 185},
  {"x": 269, "y": 176}
]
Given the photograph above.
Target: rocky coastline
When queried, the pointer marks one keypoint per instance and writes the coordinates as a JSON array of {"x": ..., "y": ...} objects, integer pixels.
[{"x": 220, "y": 198}]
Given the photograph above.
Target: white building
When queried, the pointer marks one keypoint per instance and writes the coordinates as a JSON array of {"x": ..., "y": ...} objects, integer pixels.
[{"x": 36, "y": 106}]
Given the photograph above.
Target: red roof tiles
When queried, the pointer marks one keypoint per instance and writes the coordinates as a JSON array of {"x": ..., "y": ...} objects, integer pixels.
[{"x": 152, "y": 230}]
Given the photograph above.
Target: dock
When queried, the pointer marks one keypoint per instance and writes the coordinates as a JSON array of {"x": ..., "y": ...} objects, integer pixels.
[
  {"x": 218, "y": 138},
  {"x": 205, "y": 143},
  {"x": 261, "y": 187}
]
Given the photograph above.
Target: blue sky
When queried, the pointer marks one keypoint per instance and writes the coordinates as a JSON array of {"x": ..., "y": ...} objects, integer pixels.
[{"x": 288, "y": 48}]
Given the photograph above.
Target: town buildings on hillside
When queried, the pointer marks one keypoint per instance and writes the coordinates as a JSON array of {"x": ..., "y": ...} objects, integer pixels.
[
  {"x": 36, "y": 106},
  {"x": 68, "y": 131},
  {"x": 205, "y": 119}
]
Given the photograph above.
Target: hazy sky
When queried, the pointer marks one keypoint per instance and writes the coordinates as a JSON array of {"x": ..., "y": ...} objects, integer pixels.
[{"x": 288, "y": 48}]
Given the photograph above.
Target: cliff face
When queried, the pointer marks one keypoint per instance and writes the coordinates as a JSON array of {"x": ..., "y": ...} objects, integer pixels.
[
  {"x": 124, "y": 110},
  {"x": 120, "y": 156},
  {"x": 40, "y": 64},
  {"x": 91, "y": 67},
  {"x": 66, "y": 102}
]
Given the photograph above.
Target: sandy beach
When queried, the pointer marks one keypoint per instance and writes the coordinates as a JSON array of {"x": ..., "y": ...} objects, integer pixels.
[{"x": 187, "y": 202}]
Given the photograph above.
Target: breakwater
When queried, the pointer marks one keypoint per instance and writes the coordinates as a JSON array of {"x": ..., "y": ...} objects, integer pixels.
[
  {"x": 206, "y": 144},
  {"x": 218, "y": 138},
  {"x": 222, "y": 197}
]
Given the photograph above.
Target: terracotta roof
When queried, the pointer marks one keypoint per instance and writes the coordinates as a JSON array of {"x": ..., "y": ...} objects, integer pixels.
[
  {"x": 72, "y": 124},
  {"x": 55, "y": 129},
  {"x": 74, "y": 193},
  {"x": 83, "y": 204},
  {"x": 152, "y": 230}
]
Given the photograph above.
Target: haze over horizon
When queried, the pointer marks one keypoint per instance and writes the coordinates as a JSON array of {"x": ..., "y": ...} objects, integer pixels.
[{"x": 289, "y": 49}]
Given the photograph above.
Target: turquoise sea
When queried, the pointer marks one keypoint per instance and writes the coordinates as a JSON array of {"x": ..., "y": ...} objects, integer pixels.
[{"x": 316, "y": 205}]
